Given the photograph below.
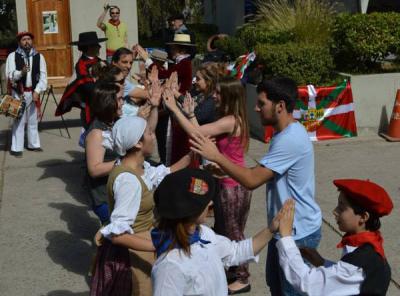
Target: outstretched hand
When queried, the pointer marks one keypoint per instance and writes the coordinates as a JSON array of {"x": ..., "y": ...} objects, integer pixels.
[
  {"x": 142, "y": 52},
  {"x": 188, "y": 104},
  {"x": 215, "y": 170},
  {"x": 174, "y": 81},
  {"x": 144, "y": 111},
  {"x": 274, "y": 226},
  {"x": 169, "y": 99},
  {"x": 204, "y": 146},
  {"x": 153, "y": 77},
  {"x": 286, "y": 218},
  {"x": 156, "y": 92}
]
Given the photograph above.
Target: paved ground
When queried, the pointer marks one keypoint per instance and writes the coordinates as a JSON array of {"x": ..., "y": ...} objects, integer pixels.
[{"x": 46, "y": 228}]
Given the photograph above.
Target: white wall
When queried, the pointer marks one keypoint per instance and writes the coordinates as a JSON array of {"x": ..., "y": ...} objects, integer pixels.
[
  {"x": 84, "y": 14},
  {"x": 22, "y": 17}
]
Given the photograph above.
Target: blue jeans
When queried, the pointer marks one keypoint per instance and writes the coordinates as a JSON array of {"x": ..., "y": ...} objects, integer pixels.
[
  {"x": 102, "y": 212},
  {"x": 278, "y": 285}
]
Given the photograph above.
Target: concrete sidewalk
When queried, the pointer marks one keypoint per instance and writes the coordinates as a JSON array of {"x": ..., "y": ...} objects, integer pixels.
[{"x": 47, "y": 228}]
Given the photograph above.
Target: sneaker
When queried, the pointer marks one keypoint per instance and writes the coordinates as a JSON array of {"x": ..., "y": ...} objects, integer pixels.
[
  {"x": 17, "y": 154},
  {"x": 35, "y": 149}
]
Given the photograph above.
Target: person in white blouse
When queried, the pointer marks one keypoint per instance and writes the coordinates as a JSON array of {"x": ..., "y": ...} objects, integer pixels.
[
  {"x": 191, "y": 256},
  {"x": 363, "y": 268},
  {"x": 107, "y": 106},
  {"x": 27, "y": 75},
  {"x": 130, "y": 191}
]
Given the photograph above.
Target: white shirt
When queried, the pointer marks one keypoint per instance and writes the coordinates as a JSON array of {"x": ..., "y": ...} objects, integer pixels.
[
  {"x": 127, "y": 196},
  {"x": 332, "y": 279},
  {"x": 203, "y": 272},
  {"x": 15, "y": 75}
]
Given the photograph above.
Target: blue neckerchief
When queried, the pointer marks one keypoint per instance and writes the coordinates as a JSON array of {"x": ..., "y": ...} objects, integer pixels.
[
  {"x": 22, "y": 52},
  {"x": 162, "y": 240}
]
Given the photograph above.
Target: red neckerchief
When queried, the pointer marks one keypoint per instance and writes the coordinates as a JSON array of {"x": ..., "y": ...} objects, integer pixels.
[
  {"x": 373, "y": 238},
  {"x": 114, "y": 23}
]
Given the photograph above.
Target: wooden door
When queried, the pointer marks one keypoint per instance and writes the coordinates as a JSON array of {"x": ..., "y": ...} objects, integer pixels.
[{"x": 49, "y": 21}]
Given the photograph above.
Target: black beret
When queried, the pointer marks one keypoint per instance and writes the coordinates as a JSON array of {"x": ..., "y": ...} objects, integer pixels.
[
  {"x": 185, "y": 193},
  {"x": 178, "y": 16}
]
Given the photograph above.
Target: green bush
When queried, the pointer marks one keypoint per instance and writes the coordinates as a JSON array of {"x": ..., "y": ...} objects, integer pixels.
[
  {"x": 362, "y": 41},
  {"x": 308, "y": 21},
  {"x": 201, "y": 33},
  {"x": 232, "y": 46},
  {"x": 252, "y": 34},
  {"x": 247, "y": 38},
  {"x": 305, "y": 63}
]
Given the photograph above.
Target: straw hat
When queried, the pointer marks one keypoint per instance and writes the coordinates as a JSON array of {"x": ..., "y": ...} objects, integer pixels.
[{"x": 182, "y": 39}]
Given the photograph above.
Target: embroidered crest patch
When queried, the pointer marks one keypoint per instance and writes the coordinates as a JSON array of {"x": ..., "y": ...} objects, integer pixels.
[{"x": 198, "y": 186}]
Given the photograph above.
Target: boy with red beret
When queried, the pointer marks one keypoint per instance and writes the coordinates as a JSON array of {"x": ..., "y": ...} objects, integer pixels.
[{"x": 363, "y": 269}]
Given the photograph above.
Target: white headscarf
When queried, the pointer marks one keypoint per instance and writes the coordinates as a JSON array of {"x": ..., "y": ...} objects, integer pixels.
[{"x": 127, "y": 132}]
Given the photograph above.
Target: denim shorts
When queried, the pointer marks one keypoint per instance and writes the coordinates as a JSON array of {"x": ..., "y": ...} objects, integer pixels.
[{"x": 275, "y": 277}]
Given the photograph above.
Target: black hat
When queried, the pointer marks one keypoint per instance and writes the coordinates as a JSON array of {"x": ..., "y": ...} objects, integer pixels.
[
  {"x": 185, "y": 193},
  {"x": 88, "y": 38},
  {"x": 178, "y": 16}
]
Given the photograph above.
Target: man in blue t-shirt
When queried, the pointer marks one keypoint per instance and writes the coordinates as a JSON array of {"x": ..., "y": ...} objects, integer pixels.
[{"x": 287, "y": 169}]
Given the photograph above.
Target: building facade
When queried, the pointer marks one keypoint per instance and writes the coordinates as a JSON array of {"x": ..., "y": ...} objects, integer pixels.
[{"x": 55, "y": 23}]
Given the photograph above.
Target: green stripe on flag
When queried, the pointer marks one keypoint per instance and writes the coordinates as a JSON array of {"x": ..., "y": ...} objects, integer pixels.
[
  {"x": 332, "y": 96},
  {"x": 300, "y": 105},
  {"x": 338, "y": 129}
]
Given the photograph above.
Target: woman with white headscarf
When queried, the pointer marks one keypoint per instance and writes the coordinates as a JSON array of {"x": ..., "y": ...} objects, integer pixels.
[{"x": 130, "y": 190}]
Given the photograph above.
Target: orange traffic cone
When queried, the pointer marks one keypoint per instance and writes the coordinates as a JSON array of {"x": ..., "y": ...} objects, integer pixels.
[{"x": 393, "y": 133}]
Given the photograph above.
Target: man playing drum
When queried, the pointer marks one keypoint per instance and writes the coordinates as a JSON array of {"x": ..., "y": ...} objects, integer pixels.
[{"x": 27, "y": 77}]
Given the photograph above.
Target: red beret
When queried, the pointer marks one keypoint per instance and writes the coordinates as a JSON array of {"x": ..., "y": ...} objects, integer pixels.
[
  {"x": 367, "y": 194},
  {"x": 24, "y": 33}
]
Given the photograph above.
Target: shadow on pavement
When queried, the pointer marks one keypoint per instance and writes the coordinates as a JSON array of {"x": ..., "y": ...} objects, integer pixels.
[
  {"x": 58, "y": 124},
  {"x": 66, "y": 293},
  {"x": 72, "y": 249},
  {"x": 5, "y": 140}
]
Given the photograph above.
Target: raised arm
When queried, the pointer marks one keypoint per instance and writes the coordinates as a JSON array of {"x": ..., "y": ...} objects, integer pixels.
[
  {"x": 221, "y": 126},
  {"x": 261, "y": 239},
  {"x": 182, "y": 163},
  {"x": 250, "y": 178},
  {"x": 342, "y": 277},
  {"x": 100, "y": 21}
]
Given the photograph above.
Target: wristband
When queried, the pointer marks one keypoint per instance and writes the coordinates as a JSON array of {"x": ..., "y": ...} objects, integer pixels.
[{"x": 190, "y": 116}]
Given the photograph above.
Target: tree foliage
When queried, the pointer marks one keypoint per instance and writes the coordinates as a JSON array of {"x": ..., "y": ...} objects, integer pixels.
[
  {"x": 8, "y": 20},
  {"x": 153, "y": 14}
]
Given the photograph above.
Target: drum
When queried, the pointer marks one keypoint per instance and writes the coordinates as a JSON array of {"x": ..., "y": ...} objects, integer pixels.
[{"x": 12, "y": 107}]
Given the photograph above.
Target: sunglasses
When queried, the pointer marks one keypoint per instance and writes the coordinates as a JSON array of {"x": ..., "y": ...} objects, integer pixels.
[{"x": 114, "y": 13}]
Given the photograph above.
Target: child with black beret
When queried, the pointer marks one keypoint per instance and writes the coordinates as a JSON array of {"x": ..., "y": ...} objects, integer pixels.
[{"x": 191, "y": 257}]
